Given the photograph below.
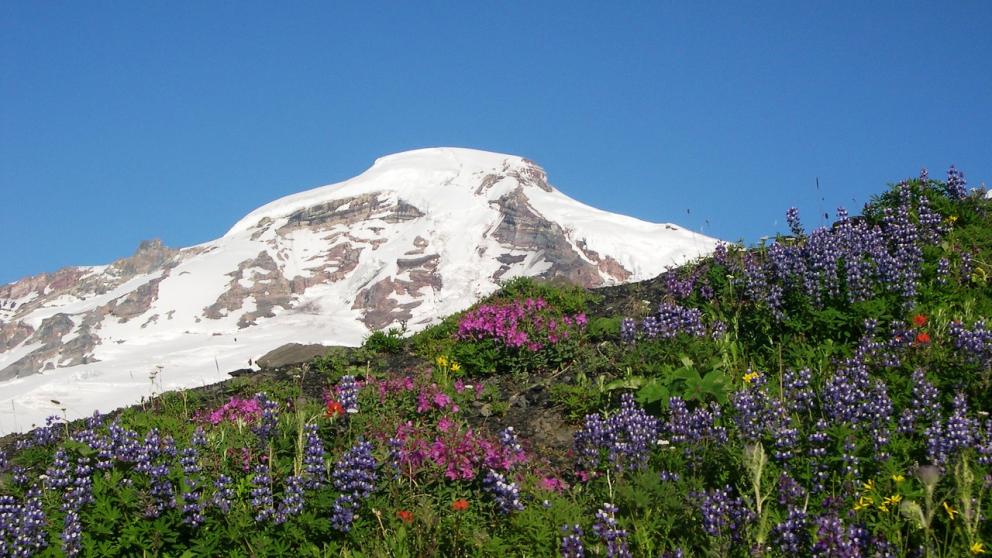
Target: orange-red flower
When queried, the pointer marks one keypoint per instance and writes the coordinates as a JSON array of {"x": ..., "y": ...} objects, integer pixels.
[
  {"x": 405, "y": 515},
  {"x": 922, "y": 338},
  {"x": 920, "y": 320},
  {"x": 460, "y": 504},
  {"x": 334, "y": 409}
]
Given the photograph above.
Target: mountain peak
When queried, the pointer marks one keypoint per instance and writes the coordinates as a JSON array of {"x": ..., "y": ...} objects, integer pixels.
[
  {"x": 419, "y": 235},
  {"x": 429, "y": 175}
]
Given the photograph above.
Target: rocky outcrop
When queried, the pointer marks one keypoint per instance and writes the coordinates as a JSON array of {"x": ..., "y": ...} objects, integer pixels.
[
  {"x": 522, "y": 228},
  {"x": 291, "y": 353},
  {"x": 137, "y": 302},
  {"x": 53, "y": 351},
  {"x": 348, "y": 211},
  {"x": 150, "y": 256},
  {"x": 267, "y": 286},
  {"x": 12, "y": 334},
  {"x": 379, "y": 304}
]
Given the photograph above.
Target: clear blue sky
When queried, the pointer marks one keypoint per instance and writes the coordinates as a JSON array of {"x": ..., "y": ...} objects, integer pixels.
[{"x": 131, "y": 120}]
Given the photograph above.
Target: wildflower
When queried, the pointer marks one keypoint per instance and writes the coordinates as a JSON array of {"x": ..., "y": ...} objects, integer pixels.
[
  {"x": 863, "y": 503},
  {"x": 442, "y": 361},
  {"x": 405, "y": 515},
  {"x": 951, "y": 512},
  {"x": 869, "y": 486},
  {"x": 334, "y": 409},
  {"x": 455, "y": 367},
  {"x": 977, "y": 548},
  {"x": 750, "y": 377},
  {"x": 460, "y": 504},
  {"x": 898, "y": 478},
  {"x": 505, "y": 493},
  {"x": 347, "y": 391},
  {"x": 920, "y": 320},
  {"x": 571, "y": 543},
  {"x": 922, "y": 338},
  {"x": 893, "y": 500}
]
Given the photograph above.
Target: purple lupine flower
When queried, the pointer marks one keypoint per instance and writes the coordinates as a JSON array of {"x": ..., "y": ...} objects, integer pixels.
[
  {"x": 796, "y": 390},
  {"x": 223, "y": 493},
  {"x": 161, "y": 489},
  {"x": 571, "y": 543},
  {"x": 395, "y": 455},
  {"x": 354, "y": 477},
  {"x": 192, "y": 505},
  {"x": 851, "y": 396},
  {"x": 795, "y": 226},
  {"x": 983, "y": 443},
  {"x": 58, "y": 473},
  {"x": 626, "y": 436},
  {"x": 628, "y": 330},
  {"x": 833, "y": 540},
  {"x": 72, "y": 534},
  {"x": 975, "y": 344},
  {"x": 790, "y": 492},
  {"x": 923, "y": 404},
  {"x": 292, "y": 499},
  {"x": 343, "y": 512},
  {"x": 957, "y": 434},
  {"x": 965, "y": 268},
  {"x": 124, "y": 443},
  {"x": 347, "y": 391},
  {"x": 606, "y": 528},
  {"x": 956, "y": 184},
  {"x": 22, "y": 525},
  {"x": 266, "y": 426},
  {"x": 19, "y": 475},
  {"x": 313, "y": 458},
  {"x": 261, "y": 493},
  {"x": 508, "y": 439},
  {"x": 791, "y": 536},
  {"x": 723, "y": 515},
  {"x": 818, "y": 441},
  {"x": 669, "y": 476},
  {"x": 505, "y": 493}
]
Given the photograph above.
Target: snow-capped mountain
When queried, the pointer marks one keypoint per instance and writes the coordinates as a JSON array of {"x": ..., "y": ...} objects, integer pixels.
[{"x": 418, "y": 236}]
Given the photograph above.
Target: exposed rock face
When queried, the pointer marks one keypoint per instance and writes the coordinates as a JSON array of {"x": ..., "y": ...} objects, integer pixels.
[
  {"x": 137, "y": 302},
  {"x": 53, "y": 351},
  {"x": 291, "y": 353},
  {"x": 349, "y": 211},
  {"x": 267, "y": 286},
  {"x": 12, "y": 334},
  {"x": 380, "y": 306},
  {"x": 523, "y": 229}
]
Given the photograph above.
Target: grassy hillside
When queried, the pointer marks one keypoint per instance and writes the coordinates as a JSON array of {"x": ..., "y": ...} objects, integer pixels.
[{"x": 824, "y": 394}]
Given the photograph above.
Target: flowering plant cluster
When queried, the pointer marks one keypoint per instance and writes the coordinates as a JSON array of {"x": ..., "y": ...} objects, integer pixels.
[
  {"x": 520, "y": 335},
  {"x": 235, "y": 410}
]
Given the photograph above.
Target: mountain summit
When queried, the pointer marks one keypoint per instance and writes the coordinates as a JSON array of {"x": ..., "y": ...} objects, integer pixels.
[{"x": 419, "y": 235}]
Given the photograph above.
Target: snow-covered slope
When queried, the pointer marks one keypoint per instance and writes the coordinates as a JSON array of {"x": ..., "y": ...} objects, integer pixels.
[{"x": 418, "y": 236}]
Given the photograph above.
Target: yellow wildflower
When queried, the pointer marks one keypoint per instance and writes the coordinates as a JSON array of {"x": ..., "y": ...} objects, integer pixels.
[
  {"x": 455, "y": 367},
  {"x": 869, "y": 486},
  {"x": 863, "y": 502},
  {"x": 750, "y": 377},
  {"x": 951, "y": 512},
  {"x": 893, "y": 500},
  {"x": 977, "y": 548},
  {"x": 953, "y": 218},
  {"x": 883, "y": 507},
  {"x": 442, "y": 361},
  {"x": 898, "y": 478}
]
